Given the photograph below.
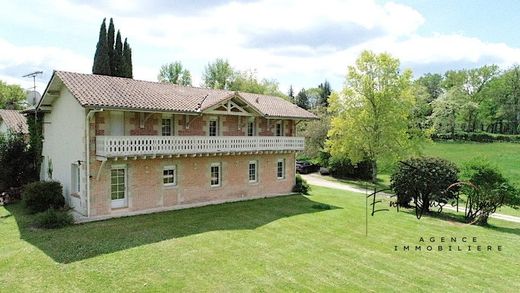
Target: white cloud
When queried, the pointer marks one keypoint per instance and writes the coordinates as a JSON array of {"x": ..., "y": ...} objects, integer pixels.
[{"x": 225, "y": 30}]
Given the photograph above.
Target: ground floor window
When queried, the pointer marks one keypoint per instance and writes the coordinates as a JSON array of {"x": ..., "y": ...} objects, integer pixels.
[
  {"x": 118, "y": 186},
  {"x": 280, "y": 169},
  {"x": 169, "y": 176},
  {"x": 216, "y": 173},
  {"x": 253, "y": 171}
]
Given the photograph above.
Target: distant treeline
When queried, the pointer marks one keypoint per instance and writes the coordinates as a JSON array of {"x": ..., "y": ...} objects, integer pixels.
[{"x": 483, "y": 99}]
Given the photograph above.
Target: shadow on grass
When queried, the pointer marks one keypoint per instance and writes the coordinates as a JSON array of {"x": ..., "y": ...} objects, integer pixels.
[
  {"x": 88, "y": 240},
  {"x": 515, "y": 231}
]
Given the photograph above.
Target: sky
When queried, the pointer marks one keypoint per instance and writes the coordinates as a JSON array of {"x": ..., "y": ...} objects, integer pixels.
[{"x": 296, "y": 42}]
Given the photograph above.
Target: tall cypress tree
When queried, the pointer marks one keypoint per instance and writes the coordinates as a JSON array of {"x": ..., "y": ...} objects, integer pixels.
[
  {"x": 101, "y": 57},
  {"x": 118, "y": 60},
  {"x": 110, "y": 42},
  {"x": 112, "y": 57},
  {"x": 127, "y": 60}
]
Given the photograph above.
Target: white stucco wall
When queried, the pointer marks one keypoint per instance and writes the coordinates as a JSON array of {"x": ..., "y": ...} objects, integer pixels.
[{"x": 64, "y": 145}]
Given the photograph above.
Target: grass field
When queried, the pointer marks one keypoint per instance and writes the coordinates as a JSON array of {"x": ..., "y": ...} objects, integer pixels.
[
  {"x": 291, "y": 243},
  {"x": 505, "y": 155}
]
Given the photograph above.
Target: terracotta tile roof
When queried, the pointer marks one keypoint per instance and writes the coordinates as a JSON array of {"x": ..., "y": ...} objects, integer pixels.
[
  {"x": 14, "y": 120},
  {"x": 116, "y": 92}
]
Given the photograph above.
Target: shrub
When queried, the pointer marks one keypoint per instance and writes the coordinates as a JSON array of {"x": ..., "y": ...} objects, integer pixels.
[
  {"x": 53, "y": 218},
  {"x": 40, "y": 196},
  {"x": 301, "y": 185},
  {"x": 424, "y": 180},
  {"x": 476, "y": 136},
  {"x": 16, "y": 161},
  {"x": 487, "y": 190},
  {"x": 343, "y": 168}
]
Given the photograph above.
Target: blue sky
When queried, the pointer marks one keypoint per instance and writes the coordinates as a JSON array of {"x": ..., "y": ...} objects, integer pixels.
[{"x": 296, "y": 42}]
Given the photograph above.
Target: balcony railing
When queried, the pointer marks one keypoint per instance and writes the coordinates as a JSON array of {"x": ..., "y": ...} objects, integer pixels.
[{"x": 128, "y": 146}]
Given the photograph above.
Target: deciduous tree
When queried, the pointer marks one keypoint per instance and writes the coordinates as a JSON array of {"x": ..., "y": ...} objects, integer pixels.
[
  {"x": 218, "y": 75},
  {"x": 372, "y": 112}
]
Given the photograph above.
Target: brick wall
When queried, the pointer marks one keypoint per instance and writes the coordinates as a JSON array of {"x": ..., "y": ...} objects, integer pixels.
[{"x": 146, "y": 190}]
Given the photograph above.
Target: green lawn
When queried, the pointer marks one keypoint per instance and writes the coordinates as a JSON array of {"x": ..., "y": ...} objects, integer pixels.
[
  {"x": 505, "y": 155},
  {"x": 290, "y": 243}
]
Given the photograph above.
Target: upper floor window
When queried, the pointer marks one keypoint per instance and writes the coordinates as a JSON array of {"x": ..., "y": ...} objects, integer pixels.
[
  {"x": 279, "y": 128},
  {"x": 213, "y": 127},
  {"x": 280, "y": 169},
  {"x": 250, "y": 128},
  {"x": 167, "y": 127},
  {"x": 215, "y": 174}
]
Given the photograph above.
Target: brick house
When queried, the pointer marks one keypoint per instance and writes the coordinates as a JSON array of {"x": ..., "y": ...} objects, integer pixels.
[{"x": 121, "y": 146}]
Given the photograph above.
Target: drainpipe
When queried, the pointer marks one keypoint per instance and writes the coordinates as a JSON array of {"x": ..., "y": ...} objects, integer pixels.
[{"x": 87, "y": 139}]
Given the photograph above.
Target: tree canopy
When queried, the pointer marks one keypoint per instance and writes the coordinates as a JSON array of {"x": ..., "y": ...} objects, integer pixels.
[
  {"x": 11, "y": 96},
  {"x": 218, "y": 75},
  {"x": 372, "y": 112},
  {"x": 175, "y": 73},
  {"x": 111, "y": 56}
]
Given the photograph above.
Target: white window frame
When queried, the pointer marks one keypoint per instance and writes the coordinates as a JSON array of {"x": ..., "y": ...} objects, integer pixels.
[
  {"x": 171, "y": 118},
  {"x": 279, "y": 124},
  {"x": 168, "y": 176},
  {"x": 120, "y": 202},
  {"x": 283, "y": 168},
  {"x": 75, "y": 178},
  {"x": 217, "y": 126},
  {"x": 255, "y": 163},
  {"x": 219, "y": 175}
]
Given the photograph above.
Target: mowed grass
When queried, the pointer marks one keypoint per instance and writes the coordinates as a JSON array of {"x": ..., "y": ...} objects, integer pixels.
[
  {"x": 290, "y": 243},
  {"x": 505, "y": 155}
]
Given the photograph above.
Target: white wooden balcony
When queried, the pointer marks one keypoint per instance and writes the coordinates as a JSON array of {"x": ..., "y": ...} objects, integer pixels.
[{"x": 154, "y": 146}]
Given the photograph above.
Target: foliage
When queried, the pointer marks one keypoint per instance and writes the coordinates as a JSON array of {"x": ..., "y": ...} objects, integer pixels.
[
  {"x": 487, "y": 191},
  {"x": 127, "y": 58},
  {"x": 301, "y": 186},
  {"x": 372, "y": 113},
  {"x": 101, "y": 57},
  {"x": 341, "y": 167},
  {"x": 477, "y": 137},
  {"x": 302, "y": 100},
  {"x": 12, "y": 96},
  {"x": 53, "y": 219},
  {"x": 424, "y": 180},
  {"x": 218, "y": 75},
  {"x": 315, "y": 132},
  {"x": 43, "y": 195},
  {"x": 112, "y": 57},
  {"x": 290, "y": 94},
  {"x": 16, "y": 161},
  {"x": 247, "y": 81},
  {"x": 175, "y": 73},
  {"x": 325, "y": 91}
]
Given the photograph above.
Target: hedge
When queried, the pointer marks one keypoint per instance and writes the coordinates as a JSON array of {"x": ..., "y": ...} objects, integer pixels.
[{"x": 477, "y": 137}]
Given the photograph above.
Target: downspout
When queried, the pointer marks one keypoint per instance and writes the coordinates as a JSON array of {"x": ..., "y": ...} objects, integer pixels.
[{"x": 87, "y": 139}]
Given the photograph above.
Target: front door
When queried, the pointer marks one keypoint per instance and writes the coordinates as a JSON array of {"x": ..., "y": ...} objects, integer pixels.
[{"x": 118, "y": 190}]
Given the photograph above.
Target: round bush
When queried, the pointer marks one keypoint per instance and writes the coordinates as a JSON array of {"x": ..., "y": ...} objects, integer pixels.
[
  {"x": 43, "y": 195},
  {"x": 427, "y": 178}
]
